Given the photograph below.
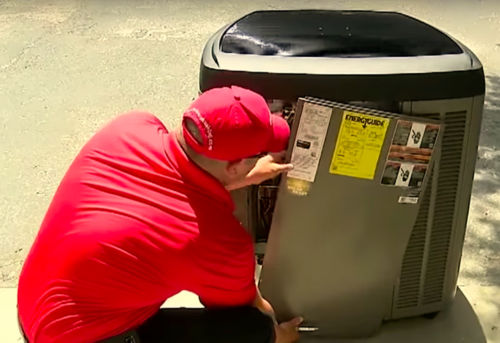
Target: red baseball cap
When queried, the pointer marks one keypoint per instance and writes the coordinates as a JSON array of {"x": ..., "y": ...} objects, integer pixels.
[{"x": 234, "y": 123}]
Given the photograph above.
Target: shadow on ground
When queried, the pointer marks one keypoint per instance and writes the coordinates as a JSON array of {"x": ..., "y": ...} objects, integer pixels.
[
  {"x": 482, "y": 245},
  {"x": 481, "y": 254}
]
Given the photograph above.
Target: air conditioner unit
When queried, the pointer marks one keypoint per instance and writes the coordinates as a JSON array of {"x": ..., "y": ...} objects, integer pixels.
[{"x": 355, "y": 251}]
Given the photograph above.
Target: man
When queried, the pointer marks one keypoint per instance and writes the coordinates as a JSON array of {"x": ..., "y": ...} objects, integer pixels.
[{"x": 143, "y": 214}]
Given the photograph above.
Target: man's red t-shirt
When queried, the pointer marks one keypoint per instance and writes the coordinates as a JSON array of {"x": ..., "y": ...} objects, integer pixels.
[{"x": 132, "y": 223}]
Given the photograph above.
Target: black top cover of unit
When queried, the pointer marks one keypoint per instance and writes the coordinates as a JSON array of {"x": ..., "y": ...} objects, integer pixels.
[{"x": 335, "y": 34}]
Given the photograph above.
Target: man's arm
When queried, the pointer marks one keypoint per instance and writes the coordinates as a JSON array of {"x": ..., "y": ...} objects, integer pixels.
[
  {"x": 286, "y": 332},
  {"x": 264, "y": 305},
  {"x": 266, "y": 168}
]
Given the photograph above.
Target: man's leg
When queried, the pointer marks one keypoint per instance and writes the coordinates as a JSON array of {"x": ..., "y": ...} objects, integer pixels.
[{"x": 193, "y": 325}]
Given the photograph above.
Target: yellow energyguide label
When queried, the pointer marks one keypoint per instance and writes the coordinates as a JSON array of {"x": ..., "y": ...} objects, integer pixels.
[{"x": 358, "y": 145}]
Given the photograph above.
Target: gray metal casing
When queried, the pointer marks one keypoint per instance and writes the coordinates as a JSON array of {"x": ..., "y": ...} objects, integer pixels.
[
  {"x": 348, "y": 256},
  {"x": 344, "y": 269}
]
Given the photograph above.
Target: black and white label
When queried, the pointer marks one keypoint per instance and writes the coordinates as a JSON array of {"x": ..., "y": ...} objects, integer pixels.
[
  {"x": 404, "y": 175},
  {"x": 416, "y": 134}
]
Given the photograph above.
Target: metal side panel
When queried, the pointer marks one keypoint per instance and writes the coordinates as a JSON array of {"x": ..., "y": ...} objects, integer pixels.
[
  {"x": 333, "y": 255},
  {"x": 469, "y": 158},
  {"x": 429, "y": 271}
]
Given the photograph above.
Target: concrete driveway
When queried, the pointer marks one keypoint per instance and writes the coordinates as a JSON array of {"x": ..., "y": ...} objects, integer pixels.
[{"x": 68, "y": 66}]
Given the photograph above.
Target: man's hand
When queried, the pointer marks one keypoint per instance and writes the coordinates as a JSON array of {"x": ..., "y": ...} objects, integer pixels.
[
  {"x": 269, "y": 167},
  {"x": 288, "y": 332},
  {"x": 265, "y": 168}
]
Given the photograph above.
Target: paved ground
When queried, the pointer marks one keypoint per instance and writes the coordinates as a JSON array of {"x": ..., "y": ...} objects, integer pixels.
[{"x": 66, "y": 67}]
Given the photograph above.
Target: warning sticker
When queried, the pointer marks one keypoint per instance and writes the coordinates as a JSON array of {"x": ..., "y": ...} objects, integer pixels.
[
  {"x": 311, "y": 133},
  {"x": 358, "y": 145},
  {"x": 404, "y": 174},
  {"x": 416, "y": 135},
  {"x": 410, "y": 154}
]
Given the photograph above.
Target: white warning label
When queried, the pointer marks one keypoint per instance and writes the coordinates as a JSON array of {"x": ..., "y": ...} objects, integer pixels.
[
  {"x": 404, "y": 175},
  {"x": 416, "y": 135},
  {"x": 308, "y": 144}
]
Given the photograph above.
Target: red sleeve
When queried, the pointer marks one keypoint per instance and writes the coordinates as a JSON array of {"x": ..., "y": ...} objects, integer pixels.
[{"x": 225, "y": 268}]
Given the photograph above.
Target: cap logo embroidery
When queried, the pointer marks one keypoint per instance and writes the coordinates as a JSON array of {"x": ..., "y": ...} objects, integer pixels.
[{"x": 207, "y": 127}]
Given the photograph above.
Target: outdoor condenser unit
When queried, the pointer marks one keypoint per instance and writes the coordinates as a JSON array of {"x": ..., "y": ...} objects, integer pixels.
[{"x": 385, "y": 113}]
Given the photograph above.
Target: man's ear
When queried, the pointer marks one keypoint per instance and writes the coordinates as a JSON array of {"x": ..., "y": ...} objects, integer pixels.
[{"x": 233, "y": 167}]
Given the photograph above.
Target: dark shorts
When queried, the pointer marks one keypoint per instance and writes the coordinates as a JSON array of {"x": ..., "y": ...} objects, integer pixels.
[{"x": 199, "y": 325}]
